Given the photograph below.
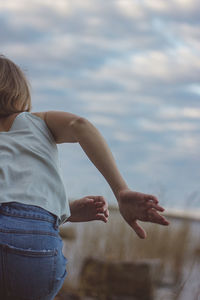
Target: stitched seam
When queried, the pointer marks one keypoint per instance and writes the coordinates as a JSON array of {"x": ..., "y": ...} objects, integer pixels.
[
  {"x": 4, "y": 272},
  {"x": 28, "y": 252},
  {"x": 26, "y": 217},
  {"x": 28, "y": 232},
  {"x": 53, "y": 275},
  {"x": 54, "y": 272}
]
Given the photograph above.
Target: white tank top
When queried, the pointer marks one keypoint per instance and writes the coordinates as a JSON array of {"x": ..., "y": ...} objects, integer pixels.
[{"x": 29, "y": 166}]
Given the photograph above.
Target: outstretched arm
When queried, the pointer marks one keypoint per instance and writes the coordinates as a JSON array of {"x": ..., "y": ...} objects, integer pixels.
[{"x": 133, "y": 206}]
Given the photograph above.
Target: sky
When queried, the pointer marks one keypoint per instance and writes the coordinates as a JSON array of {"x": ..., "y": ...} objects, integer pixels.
[{"x": 130, "y": 67}]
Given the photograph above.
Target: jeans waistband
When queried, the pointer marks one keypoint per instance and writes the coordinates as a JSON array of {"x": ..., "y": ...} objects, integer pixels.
[{"x": 28, "y": 211}]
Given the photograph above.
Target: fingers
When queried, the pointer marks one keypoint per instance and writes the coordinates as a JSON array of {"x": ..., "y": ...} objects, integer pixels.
[
  {"x": 152, "y": 198},
  {"x": 155, "y": 206},
  {"x": 99, "y": 204},
  {"x": 138, "y": 229},
  {"x": 106, "y": 213},
  {"x": 101, "y": 218},
  {"x": 155, "y": 217},
  {"x": 103, "y": 210},
  {"x": 97, "y": 199},
  {"x": 88, "y": 200},
  {"x": 101, "y": 207}
]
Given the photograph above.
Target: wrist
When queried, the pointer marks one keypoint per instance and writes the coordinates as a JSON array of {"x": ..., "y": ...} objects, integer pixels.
[{"x": 119, "y": 192}]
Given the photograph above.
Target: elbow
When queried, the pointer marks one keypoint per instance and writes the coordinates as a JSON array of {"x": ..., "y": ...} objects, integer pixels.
[
  {"x": 78, "y": 122},
  {"x": 78, "y": 127}
]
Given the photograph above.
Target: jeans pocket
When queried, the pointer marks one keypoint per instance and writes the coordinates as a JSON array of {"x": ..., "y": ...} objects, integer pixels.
[
  {"x": 60, "y": 272},
  {"x": 29, "y": 274}
]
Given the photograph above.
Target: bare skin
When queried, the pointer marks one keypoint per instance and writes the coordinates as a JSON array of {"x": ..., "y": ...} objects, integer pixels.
[
  {"x": 135, "y": 206},
  {"x": 89, "y": 208}
]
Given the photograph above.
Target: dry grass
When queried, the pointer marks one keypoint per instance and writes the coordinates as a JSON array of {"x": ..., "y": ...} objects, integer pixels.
[{"x": 116, "y": 241}]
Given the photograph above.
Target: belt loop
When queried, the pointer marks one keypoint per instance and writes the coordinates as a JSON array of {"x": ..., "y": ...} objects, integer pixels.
[{"x": 56, "y": 223}]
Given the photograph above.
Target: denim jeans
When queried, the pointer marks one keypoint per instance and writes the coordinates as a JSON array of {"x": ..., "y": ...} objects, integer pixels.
[{"x": 32, "y": 265}]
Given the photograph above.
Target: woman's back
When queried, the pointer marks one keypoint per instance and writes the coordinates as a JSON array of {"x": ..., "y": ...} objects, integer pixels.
[{"x": 29, "y": 165}]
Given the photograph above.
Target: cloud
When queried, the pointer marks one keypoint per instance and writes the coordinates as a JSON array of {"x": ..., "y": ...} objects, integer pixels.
[
  {"x": 123, "y": 136},
  {"x": 116, "y": 50},
  {"x": 132, "y": 9},
  {"x": 175, "y": 9},
  {"x": 186, "y": 33},
  {"x": 149, "y": 125},
  {"x": 177, "y": 112},
  {"x": 105, "y": 107},
  {"x": 102, "y": 120},
  {"x": 84, "y": 41},
  {"x": 131, "y": 67},
  {"x": 179, "y": 66}
]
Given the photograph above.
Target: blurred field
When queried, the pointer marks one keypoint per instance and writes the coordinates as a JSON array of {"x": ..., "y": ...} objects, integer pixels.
[{"x": 172, "y": 254}]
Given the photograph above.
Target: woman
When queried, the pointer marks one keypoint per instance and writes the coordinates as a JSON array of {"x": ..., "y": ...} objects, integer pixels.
[{"x": 33, "y": 202}]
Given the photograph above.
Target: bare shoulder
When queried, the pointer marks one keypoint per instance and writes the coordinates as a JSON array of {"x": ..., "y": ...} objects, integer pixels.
[{"x": 59, "y": 123}]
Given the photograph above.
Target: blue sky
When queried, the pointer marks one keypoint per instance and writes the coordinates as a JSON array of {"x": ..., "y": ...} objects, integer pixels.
[{"x": 132, "y": 68}]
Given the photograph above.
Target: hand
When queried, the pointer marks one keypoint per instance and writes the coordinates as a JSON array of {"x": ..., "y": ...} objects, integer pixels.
[
  {"x": 89, "y": 208},
  {"x": 135, "y": 206}
]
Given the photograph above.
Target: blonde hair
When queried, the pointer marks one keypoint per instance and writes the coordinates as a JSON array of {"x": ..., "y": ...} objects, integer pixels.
[{"x": 14, "y": 88}]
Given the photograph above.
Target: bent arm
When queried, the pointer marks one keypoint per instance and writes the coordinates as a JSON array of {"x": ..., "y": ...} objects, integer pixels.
[
  {"x": 70, "y": 128},
  {"x": 97, "y": 150},
  {"x": 133, "y": 206}
]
